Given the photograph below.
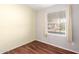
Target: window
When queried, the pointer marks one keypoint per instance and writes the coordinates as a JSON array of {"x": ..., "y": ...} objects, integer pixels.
[
  {"x": 56, "y": 22},
  {"x": 59, "y": 22}
]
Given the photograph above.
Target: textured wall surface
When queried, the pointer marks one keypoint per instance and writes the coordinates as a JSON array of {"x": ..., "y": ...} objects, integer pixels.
[
  {"x": 17, "y": 26},
  {"x": 58, "y": 40}
]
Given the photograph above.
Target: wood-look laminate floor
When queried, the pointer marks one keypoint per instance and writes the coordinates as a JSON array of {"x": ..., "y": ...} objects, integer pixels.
[{"x": 37, "y": 47}]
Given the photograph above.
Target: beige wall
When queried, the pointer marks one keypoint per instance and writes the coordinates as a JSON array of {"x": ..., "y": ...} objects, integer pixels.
[{"x": 16, "y": 26}]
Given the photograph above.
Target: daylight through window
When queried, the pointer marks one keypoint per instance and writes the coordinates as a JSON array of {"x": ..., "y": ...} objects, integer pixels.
[{"x": 57, "y": 22}]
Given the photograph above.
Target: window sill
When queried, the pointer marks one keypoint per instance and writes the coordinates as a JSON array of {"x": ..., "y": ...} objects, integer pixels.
[{"x": 53, "y": 34}]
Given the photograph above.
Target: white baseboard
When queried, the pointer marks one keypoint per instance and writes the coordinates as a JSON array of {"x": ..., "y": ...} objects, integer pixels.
[
  {"x": 58, "y": 46},
  {"x": 17, "y": 46},
  {"x": 43, "y": 42}
]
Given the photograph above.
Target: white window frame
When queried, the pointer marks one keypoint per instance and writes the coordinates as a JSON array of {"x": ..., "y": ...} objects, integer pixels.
[
  {"x": 68, "y": 34},
  {"x": 46, "y": 24}
]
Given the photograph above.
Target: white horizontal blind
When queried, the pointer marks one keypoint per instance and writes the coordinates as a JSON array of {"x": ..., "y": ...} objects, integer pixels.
[{"x": 56, "y": 22}]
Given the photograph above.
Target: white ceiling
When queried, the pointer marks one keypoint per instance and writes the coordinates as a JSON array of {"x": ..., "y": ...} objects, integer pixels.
[{"x": 39, "y": 6}]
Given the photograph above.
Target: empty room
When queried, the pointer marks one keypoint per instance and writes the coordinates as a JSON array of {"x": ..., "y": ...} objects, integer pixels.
[{"x": 39, "y": 28}]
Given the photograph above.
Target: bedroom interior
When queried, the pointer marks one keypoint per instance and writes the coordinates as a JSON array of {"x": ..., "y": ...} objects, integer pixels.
[{"x": 39, "y": 29}]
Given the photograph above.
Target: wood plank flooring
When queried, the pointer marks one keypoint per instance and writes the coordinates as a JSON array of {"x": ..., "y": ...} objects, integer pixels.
[{"x": 37, "y": 47}]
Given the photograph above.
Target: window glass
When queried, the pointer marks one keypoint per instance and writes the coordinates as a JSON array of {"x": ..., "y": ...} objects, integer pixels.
[{"x": 57, "y": 22}]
